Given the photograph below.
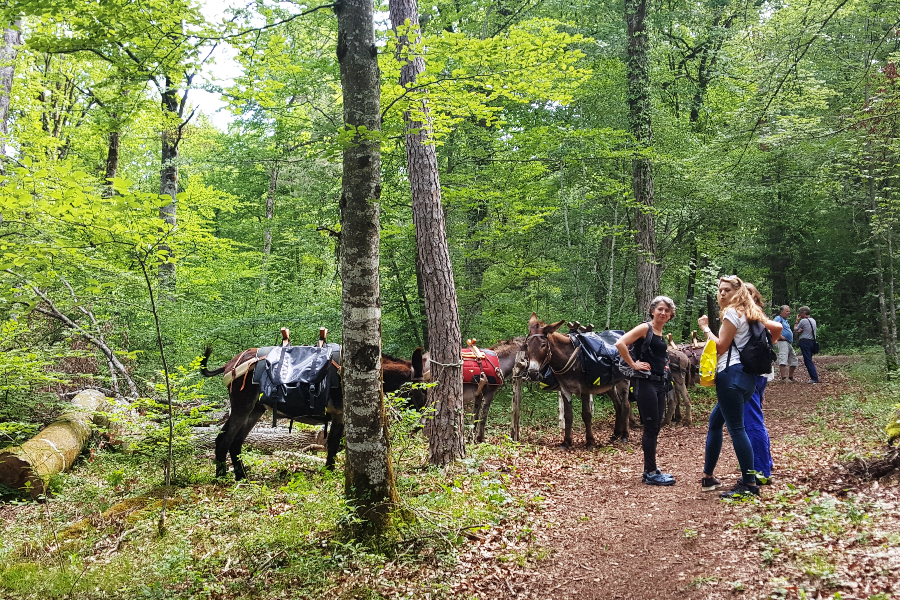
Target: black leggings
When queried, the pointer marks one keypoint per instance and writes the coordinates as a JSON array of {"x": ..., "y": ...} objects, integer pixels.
[{"x": 651, "y": 401}]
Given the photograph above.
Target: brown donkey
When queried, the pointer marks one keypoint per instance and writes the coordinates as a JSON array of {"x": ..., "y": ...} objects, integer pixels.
[
  {"x": 477, "y": 399},
  {"x": 547, "y": 347}
]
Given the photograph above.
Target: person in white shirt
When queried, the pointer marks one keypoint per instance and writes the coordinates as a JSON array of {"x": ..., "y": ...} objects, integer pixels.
[{"x": 734, "y": 387}]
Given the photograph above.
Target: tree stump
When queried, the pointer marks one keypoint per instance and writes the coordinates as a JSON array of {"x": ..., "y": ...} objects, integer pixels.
[{"x": 28, "y": 467}]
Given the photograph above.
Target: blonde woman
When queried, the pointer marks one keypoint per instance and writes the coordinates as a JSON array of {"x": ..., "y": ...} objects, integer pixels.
[{"x": 734, "y": 387}]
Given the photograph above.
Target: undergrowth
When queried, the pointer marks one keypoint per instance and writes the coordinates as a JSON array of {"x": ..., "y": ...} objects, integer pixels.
[
  {"x": 819, "y": 544},
  {"x": 273, "y": 536}
]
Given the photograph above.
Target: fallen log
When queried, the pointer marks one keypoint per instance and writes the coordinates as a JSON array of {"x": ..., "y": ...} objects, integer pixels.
[
  {"x": 266, "y": 440},
  {"x": 53, "y": 450}
]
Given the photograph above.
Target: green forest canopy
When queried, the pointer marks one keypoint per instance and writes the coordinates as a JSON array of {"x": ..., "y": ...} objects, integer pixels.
[{"x": 775, "y": 157}]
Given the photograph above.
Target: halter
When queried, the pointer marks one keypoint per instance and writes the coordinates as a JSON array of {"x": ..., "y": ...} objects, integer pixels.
[
  {"x": 569, "y": 364},
  {"x": 549, "y": 349}
]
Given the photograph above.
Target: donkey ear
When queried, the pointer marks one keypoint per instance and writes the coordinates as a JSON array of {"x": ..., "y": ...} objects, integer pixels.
[{"x": 548, "y": 329}]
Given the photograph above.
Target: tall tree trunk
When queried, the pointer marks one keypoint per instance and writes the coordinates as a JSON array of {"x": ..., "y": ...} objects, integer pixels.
[
  {"x": 112, "y": 163},
  {"x": 890, "y": 350},
  {"x": 691, "y": 293},
  {"x": 637, "y": 70},
  {"x": 612, "y": 265},
  {"x": 12, "y": 39},
  {"x": 420, "y": 292},
  {"x": 267, "y": 232},
  {"x": 368, "y": 472},
  {"x": 445, "y": 431},
  {"x": 168, "y": 180}
]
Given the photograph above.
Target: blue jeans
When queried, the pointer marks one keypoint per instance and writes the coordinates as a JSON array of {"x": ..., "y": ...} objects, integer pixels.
[
  {"x": 806, "y": 349},
  {"x": 733, "y": 390},
  {"x": 756, "y": 429}
]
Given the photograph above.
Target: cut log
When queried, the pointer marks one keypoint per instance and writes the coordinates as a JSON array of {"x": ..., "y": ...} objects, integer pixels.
[
  {"x": 28, "y": 467},
  {"x": 268, "y": 440}
]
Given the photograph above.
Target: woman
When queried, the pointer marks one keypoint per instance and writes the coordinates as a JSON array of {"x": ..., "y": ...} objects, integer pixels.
[
  {"x": 651, "y": 374},
  {"x": 733, "y": 387},
  {"x": 754, "y": 421}
]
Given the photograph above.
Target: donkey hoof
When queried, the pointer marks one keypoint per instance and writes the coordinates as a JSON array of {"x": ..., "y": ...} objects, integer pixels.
[
  {"x": 565, "y": 447},
  {"x": 221, "y": 469},
  {"x": 590, "y": 447}
]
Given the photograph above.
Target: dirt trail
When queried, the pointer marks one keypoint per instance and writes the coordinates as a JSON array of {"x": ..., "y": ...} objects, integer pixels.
[{"x": 610, "y": 536}]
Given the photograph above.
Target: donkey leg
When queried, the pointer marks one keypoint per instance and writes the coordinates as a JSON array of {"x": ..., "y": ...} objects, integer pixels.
[
  {"x": 486, "y": 398},
  {"x": 586, "y": 415},
  {"x": 567, "y": 418},
  {"x": 671, "y": 407},
  {"x": 334, "y": 439},
  {"x": 684, "y": 405},
  {"x": 619, "y": 396},
  {"x": 235, "y": 449},
  {"x": 223, "y": 441}
]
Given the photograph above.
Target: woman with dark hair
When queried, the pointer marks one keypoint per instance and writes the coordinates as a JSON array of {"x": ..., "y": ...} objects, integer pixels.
[
  {"x": 734, "y": 387},
  {"x": 754, "y": 421},
  {"x": 651, "y": 366}
]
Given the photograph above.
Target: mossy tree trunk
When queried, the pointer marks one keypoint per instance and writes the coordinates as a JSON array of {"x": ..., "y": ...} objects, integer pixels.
[{"x": 368, "y": 472}]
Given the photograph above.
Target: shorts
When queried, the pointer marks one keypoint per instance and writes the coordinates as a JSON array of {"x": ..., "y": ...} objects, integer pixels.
[{"x": 786, "y": 354}]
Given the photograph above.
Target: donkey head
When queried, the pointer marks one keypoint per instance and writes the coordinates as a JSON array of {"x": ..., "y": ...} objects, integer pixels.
[{"x": 537, "y": 351}]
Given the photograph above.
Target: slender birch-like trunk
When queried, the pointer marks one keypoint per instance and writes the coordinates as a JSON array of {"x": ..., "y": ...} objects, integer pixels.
[{"x": 12, "y": 39}]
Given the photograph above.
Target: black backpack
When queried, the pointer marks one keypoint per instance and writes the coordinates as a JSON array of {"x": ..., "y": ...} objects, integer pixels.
[{"x": 757, "y": 355}]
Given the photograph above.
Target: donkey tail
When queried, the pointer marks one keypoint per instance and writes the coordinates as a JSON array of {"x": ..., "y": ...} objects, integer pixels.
[{"x": 203, "y": 370}]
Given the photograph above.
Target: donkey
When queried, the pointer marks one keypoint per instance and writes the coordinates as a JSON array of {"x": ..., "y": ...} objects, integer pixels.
[
  {"x": 547, "y": 347},
  {"x": 477, "y": 399},
  {"x": 246, "y": 408},
  {"x": 678, "y": 402}
]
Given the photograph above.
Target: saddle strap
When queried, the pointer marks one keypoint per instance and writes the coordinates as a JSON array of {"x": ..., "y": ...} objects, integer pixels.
[{"x": 569, "y": 364}]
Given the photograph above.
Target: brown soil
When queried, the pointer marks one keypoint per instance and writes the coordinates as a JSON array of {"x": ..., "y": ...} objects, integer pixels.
[{"x": 610, "y": 536}]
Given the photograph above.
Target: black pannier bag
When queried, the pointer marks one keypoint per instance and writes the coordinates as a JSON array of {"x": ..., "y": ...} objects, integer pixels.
[
  {"x": 600, "y": 358},
  {"x": 757, "y": 355},
  {"x": 297, "y": 380}
]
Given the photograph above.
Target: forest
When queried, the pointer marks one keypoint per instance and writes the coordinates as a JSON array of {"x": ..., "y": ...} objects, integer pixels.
[{"x": 181, "y": 174}]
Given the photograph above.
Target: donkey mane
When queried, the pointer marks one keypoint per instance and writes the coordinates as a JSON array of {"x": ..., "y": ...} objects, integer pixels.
[{"x": 505, "y": 346}]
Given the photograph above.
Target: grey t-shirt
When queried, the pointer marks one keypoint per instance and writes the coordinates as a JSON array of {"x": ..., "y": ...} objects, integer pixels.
[{"x": 805, "y": 328}]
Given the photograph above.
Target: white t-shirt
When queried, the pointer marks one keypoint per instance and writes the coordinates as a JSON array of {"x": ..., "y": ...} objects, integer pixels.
[{"x": 741, "y": 337}]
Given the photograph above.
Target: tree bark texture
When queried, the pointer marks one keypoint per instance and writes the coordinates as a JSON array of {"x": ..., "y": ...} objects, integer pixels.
[
  {"x": 368, "y": 473},
  {"x": 12, "y": 39},
  {"x": 637, "y": 68},
  {"x": 445, "y": 432},
  {"x": 28, "y": 467},
  {"x": 112, "y": 162},
  {"x": 168, "y": 180}
]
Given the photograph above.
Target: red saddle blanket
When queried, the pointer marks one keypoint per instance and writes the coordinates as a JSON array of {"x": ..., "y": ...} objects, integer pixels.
[{"x": 481, "y": 364}]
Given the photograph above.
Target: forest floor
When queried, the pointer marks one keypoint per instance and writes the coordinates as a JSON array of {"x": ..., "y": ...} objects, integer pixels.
[
  {"x": 812, "y": 534},
  {"x": 511, "y": 521}
]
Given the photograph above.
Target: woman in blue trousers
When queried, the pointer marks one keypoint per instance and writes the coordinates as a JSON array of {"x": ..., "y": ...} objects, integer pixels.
[{"x": 734, "y": 387}]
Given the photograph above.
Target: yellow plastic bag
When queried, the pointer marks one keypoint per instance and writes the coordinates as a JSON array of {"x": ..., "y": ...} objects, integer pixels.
[{"x": 708, "y": 365}]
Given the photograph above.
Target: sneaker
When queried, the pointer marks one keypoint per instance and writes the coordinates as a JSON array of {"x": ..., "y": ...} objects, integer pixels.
[
  {"x": 657, "y": 477},
  {"x": 710, "y": 484},
  {"x": 740, "y": 490}
]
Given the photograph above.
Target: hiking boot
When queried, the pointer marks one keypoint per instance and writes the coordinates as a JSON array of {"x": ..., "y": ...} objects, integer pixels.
[
  {"x": 710, "y": 484},
  {"x": 657, "y": 477},
  {"x": 740, "y": 490}
]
